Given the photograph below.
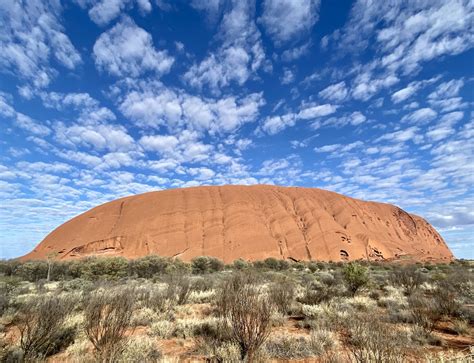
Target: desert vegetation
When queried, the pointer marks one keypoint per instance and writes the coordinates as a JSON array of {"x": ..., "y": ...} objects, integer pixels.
[{"x": 157, "y": 309}]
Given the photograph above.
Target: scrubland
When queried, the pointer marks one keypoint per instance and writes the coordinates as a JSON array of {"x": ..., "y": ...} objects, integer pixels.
[{"x": 157, "y": 309}]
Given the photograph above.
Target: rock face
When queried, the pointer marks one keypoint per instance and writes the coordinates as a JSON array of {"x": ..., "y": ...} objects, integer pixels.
[{"x": 249, "y": 222}]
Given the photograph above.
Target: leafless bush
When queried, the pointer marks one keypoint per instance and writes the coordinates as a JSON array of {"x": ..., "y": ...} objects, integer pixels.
[
  {"x": 107, "y": 318},
  {"x": 407, "y": 277},
  {"x": 40, "y": 322},
  {"x": 447, "y": 301},
  {"x": 248, "y": 312},
  {"x": 372, "y": 340},
  {"x": 179, "y": 288},
  {"x": 453, "y": 291},
  {"x": 282, "y": 295},
  {"x": 228, "y": 289},
  {"x": 425, "y": 311},
  {"x": 157, "y": 300}
]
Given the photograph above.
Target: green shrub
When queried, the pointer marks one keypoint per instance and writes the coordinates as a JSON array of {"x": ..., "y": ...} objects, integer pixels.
[
  {"x": 240, "y": 264},
  {"x": 110, "y": 268},
  {"x": 355, "y": 276},
  {"x": 32, "y": 270},
  {"x": 276, "y": 264},
  {"x": 204, "y": 264},
  {"x": 149, "y": 266},
  {"x": 9, "y": 267}
]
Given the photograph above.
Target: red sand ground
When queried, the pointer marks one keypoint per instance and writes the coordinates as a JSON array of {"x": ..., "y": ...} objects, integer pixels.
[{"x": 249, "y": 222}]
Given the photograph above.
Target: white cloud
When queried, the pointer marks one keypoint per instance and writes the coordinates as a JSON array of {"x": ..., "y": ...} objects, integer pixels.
[
  {"x": 275, "y": 124},
  {"x": 202, "y": 173},
  {"x": 423, "y": 115},
  {"x": 230, "y": 65},
  {"x": 448, "y": 104},
  {"x": 340, "y": 148},
  {"x": 438, "y": 133},
  {"x": 453, "y": 218},
  {"x": 160, "y": 143},
  {"x": 232, "y": 113},
  {"x": 410, "y": 133},
  {"x": 355, "y": 118},
  {"x": 410, "y": 34},
  {"x": 288, "y": 19},
  {"x": 32, "y": 36},
  {"x": 403, "y": 37},
  {"x": 127, "y": 50},
  {"x": 54, "y": 167},
  {"x": 366, "y": 85},
  {"x": 90, "y": 110},
  {"x": 292, "y": 54},
  {"x": 311, "y": 112},
  {"x": 155, "y": 107},
  {"x": 451, "y": 118},
  {"x": 404, "y": 93},
  {"x": 99, "y": 137},
  {"x": 288, "y": 76},
  {"x": 211, "y": 7},
  {"x": 419, "y": 35},
  {"x": 448, "y": 89},
  {"x": 21, "y": 120},
  {"x": 239, "y": 56},
  {"x": 444, "y": 127},
  {"x": 335, "y": 92},
  {"x": 104, "y": 11}
]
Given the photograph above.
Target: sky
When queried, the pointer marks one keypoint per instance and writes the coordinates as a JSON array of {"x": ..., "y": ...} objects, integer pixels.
[{"x": 101, "y": 99}]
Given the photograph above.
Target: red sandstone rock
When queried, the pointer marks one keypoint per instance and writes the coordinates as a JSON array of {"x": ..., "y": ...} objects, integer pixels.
[{"x": 249, "y": 222}]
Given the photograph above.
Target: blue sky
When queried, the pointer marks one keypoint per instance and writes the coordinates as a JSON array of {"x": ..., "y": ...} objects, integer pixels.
[{"x": 105, "y": 98}]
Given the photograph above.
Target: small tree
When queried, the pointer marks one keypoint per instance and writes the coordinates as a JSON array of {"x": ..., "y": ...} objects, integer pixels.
[
  {"x": 200, "y": 265},
  {"x": 51, "y": 256},
  {"x": 107, "y": 318},
  {"x": 355, "y": 276}
]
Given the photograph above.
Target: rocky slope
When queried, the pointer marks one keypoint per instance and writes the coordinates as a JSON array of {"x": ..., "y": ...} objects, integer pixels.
[{"x": 249, "y": 222}]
